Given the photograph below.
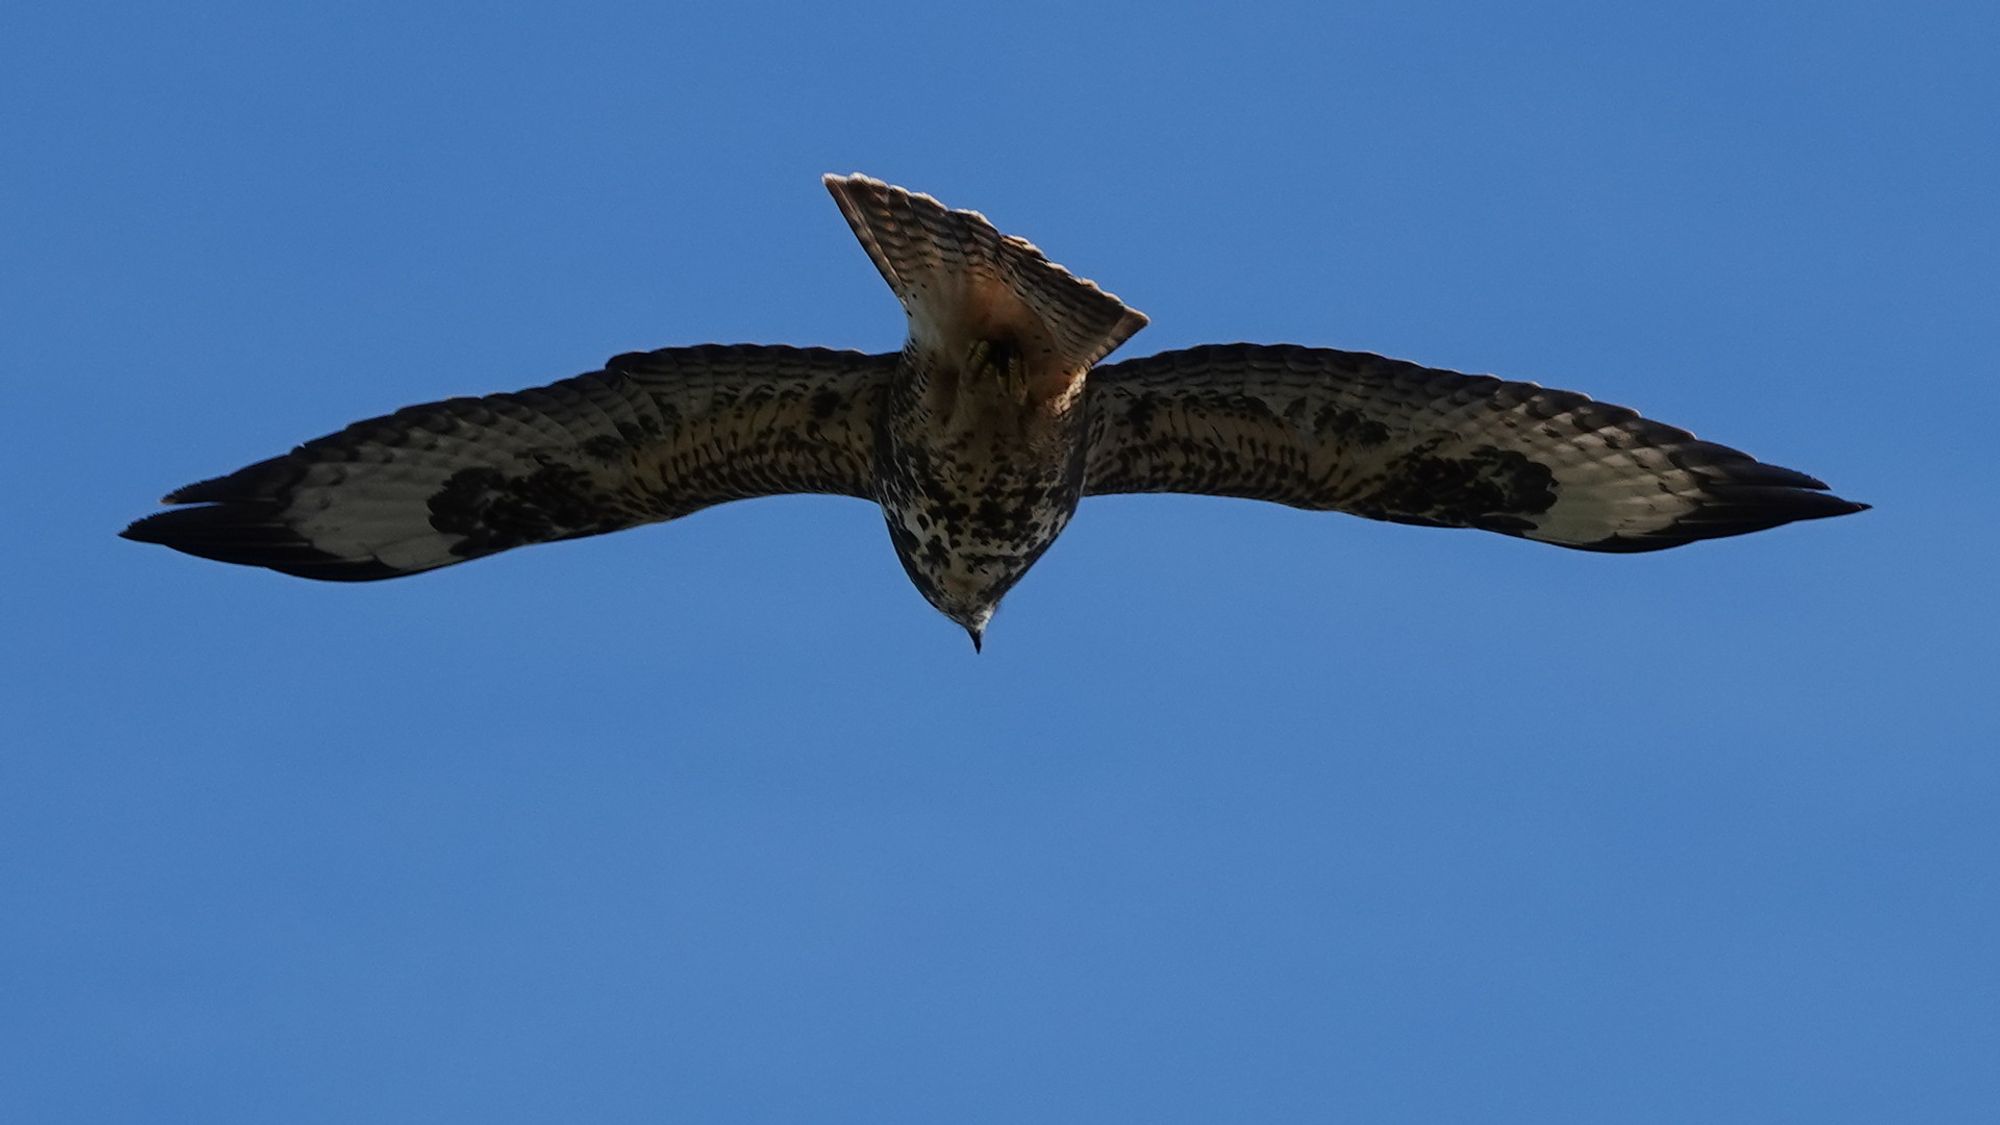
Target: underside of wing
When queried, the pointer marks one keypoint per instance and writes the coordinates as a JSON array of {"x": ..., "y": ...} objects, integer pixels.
[
  {"x": 652, "y": 436},
  {"x": 1348, "y": 431}
]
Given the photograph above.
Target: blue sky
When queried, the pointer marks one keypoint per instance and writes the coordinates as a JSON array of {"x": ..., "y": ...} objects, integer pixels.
[{"x": 1245, "y": 814}]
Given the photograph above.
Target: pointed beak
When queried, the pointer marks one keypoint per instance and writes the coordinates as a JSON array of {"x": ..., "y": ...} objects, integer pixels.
[{"x": 976, "y": 635}]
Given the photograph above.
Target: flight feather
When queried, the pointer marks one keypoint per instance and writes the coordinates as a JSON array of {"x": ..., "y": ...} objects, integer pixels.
[
  {"x": 1352, "y": 432},
  {"x": 653, "y": 436}
]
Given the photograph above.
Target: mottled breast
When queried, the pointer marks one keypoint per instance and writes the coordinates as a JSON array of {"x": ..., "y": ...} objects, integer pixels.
[{"x": 976, "y": 476}]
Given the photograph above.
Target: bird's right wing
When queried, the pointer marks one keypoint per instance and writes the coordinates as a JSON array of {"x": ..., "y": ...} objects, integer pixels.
[
  {"x": 653, "y": 436},
  {"x": 1351, "y": 432}
]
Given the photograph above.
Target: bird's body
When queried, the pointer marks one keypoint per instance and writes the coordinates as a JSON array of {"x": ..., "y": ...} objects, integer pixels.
[
  {"x": 974, "y": 480},
  {"x": 977, "y": 440},
  {"x": 981, "y": 443}
]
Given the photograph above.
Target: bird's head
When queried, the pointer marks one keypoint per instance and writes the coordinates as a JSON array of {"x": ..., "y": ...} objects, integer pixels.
[
  {"x": 965, "y": 588},
  {"x": 970, "y": 608},
  {"x": 975, "y": 627}
]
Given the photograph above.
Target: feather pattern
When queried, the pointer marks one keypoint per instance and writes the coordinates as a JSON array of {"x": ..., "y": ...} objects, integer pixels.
[
  {"x": 653, "y": 436},
  {"x": 977, "y": 440},
  {"x": 1352, "y": 432}
]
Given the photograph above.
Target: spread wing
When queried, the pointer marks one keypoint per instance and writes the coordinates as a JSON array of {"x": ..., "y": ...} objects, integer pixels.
[
  {"x": 651, "y": 437},
  {"x": 1351, "y": 432}
]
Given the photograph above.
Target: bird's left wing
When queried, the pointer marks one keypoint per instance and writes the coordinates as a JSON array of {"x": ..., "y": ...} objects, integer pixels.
[
  {"x": 1347, "y": 431},
  {"x": 653, "y": 436}
]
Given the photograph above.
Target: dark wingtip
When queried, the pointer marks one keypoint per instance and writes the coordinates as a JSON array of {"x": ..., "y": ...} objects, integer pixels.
[
  {"x": 1749, "y": 500},
  {"x": 201, "y": 491},
  {"x": 244, "y": 534},
  {"x": 137, "y": 532}
]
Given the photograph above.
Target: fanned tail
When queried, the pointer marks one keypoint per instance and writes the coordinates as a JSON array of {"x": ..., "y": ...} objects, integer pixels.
[{"x": 962, "y": 281}]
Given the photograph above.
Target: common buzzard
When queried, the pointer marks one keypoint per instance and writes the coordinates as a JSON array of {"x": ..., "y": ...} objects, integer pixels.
[{"x": 977, "y": 439}]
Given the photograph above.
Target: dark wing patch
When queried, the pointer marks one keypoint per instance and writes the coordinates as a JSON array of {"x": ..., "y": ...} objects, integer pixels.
[
  {"x": 1348, "y": 431},
  {"x": 1485, "y": 487},
  {"x": 653, "y": 436}
]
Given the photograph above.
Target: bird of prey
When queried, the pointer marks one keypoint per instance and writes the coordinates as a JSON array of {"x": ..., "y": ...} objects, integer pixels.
[{"x": 977, "y": 440}]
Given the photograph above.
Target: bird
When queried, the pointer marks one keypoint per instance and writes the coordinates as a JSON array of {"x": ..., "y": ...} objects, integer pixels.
[{"x": 977, "y": 440}]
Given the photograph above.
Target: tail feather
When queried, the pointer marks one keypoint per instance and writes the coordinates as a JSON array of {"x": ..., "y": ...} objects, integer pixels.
[{"x": 960, "y": 280}]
